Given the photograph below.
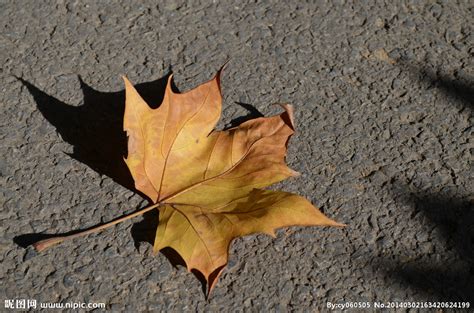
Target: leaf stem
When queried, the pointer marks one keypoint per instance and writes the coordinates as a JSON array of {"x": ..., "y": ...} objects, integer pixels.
[{"x": 46, "y": 243}]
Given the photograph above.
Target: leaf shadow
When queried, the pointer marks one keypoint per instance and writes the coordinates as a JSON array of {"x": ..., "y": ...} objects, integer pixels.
[
  {"x": 453, "y": 217},
  {"x": 253, "y": 113},
  {"x": 95, "y": 130}
]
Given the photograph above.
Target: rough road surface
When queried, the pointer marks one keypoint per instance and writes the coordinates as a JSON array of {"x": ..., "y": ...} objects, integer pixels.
[{"x": 383, "y": 93}]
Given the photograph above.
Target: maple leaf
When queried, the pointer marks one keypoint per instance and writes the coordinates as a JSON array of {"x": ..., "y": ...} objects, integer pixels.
[{"x": 207, "y": 182}]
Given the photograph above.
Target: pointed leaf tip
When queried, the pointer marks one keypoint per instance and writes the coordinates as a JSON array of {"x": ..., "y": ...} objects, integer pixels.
[
  {"x": 290, "y": 112},
  {"x": 125, "y": 80}
]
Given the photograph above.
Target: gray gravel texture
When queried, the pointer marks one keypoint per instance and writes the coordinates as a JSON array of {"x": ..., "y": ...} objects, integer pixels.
[{"x": 383, "y": 93}]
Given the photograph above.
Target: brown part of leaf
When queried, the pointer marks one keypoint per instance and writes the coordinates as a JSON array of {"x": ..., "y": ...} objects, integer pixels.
[
  {"x": 208, "y": 182},
  {"x": 159, "y": 137}
]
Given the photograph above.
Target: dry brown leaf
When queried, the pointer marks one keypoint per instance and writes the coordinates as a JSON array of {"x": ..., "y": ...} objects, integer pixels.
[
  {"x": 207, "y": 184},
  {"x": 206, "y": 181}
]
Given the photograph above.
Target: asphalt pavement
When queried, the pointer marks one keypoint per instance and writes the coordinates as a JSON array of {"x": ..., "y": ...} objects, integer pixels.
[{"x": 383, "y": 93}]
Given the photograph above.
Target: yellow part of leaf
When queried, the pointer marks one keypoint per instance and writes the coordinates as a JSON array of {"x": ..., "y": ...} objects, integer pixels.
[{"x": 202, "y": 237}]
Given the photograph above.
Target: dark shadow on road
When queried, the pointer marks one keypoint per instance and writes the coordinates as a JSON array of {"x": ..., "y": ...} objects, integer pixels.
[
  {"x": 95, "y": 130},
  {"x": 453, "y": 217},
  {"x": 145, "y": 230},
  {"x": 252, "y": 113},
  {"x": 26, "y": 240},
  {"x": 450, "y": 215},
  {"x": 459, "y": 90}
]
